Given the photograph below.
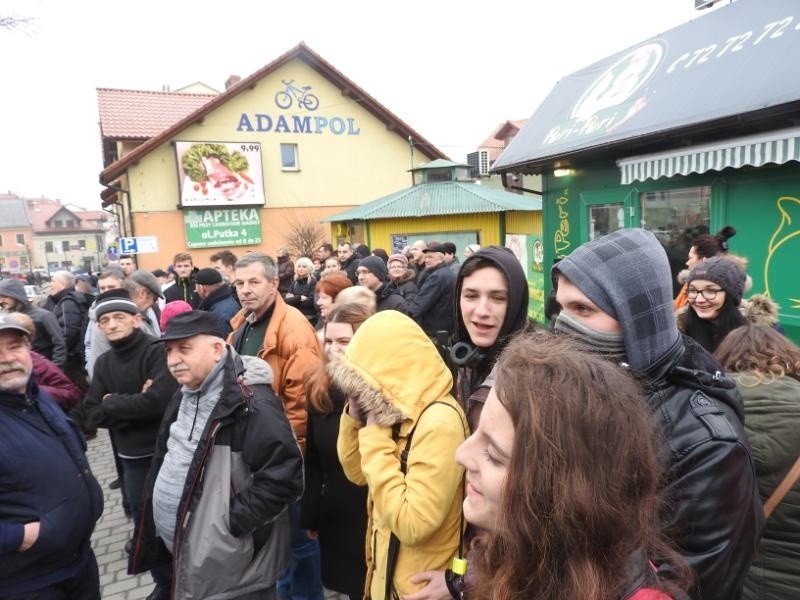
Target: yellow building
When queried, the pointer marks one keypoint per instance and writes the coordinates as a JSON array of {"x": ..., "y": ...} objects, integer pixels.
[{"x": 249, "y": 168}]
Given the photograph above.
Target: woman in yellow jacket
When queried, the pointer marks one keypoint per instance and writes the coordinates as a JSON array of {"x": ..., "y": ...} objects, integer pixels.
[{"x": 398, "y": 388}]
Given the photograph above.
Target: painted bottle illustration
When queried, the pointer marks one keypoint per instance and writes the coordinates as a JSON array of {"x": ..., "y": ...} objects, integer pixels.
[{"x": 780, "y": 268}]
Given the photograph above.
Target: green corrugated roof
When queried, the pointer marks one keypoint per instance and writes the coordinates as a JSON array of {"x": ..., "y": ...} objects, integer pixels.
[{"x": 436, "y": 199}]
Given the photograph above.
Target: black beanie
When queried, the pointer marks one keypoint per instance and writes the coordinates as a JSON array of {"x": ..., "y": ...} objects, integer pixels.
[
  {"x": 376, "y": 266},
  {"x": 114, "y": 300}
]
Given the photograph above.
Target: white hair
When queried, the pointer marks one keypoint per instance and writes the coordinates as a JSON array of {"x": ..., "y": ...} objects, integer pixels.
[{"x": 65, "y": 277}]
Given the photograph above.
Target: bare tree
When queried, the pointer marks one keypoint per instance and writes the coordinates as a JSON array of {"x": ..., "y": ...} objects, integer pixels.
[{"x": 304, "y": 235}]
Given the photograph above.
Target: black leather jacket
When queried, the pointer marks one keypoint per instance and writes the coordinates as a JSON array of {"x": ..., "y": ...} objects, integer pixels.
[{"x": 714, "y": 512}]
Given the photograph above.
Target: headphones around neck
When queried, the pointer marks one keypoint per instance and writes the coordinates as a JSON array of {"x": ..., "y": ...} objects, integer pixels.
[{"x": 464, "y": 354}]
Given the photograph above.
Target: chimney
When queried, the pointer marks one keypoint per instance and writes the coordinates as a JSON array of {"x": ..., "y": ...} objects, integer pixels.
[{"x": 231, "y": 81}]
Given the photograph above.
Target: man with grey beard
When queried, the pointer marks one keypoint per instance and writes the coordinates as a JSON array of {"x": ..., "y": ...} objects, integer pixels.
[{"x": 49, "y": 499}]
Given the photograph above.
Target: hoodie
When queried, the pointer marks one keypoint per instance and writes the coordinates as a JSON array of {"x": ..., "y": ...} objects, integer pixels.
[
  {"x": 421, "y": 506},
  {"x": 713, "y": 510}
]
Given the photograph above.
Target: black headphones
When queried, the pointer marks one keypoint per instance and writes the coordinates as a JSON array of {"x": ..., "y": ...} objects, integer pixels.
[{"x": 463, "y": 354}]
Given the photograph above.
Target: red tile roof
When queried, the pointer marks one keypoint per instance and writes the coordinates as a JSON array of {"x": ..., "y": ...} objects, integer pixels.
[
  {"x": 40, "y": 212},
  {"x": 316, "y": 62},
  {"x": 136, "y": 114},
  {"x": 500, "y": 137}
]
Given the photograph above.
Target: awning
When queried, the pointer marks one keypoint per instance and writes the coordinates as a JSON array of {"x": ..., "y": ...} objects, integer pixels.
[
  {"x": 776, "y": 147},
  {"x": 730, "y": 62}
]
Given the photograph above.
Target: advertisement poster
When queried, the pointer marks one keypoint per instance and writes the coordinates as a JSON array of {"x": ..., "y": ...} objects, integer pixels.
[
  {"x": 529, "y": 249},
  {"x": 219, "y": 174},
  {"x": 212, "y": 228}
]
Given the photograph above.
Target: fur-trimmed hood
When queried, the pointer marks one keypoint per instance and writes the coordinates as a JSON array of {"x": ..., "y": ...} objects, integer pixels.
[{"x": 375, "y": 370}]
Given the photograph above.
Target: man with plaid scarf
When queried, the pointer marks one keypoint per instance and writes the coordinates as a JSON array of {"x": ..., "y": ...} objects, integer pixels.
[{"x": 615, "y": 295}]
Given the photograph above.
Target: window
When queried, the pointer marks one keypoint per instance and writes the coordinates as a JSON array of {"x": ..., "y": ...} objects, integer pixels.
[
  {"x": 65, "y": 245},
  {"x": 81, "y": 244},
  {"x": 21, "y": 239},
  {"x": 676, "y": 217},
  {"x": 70, "y": 223},
  {"x": 1, "y": 240},
  {"x": 289, "y": 157},
  {"x": 48, "y": 246},
  {"x": 605, "y": 219}
]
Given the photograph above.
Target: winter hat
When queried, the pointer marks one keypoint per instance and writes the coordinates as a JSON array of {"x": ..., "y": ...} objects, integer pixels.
[
  {"x": 172, "y": 309},
  {"x": 114, "y": 300},
  {"x": 402, "y": 258},
  {"x": 376, "y": 266},
  {"x": 208, "y": 276},
  {"x": 724, "y": 272},
  {"x": 449, "y": 247},
  {"x": 191, "y": 323},
  {"x": 147, "y": 280},
  {"x": 13, "y": 288},
  {"x": 11, "y": 323}
]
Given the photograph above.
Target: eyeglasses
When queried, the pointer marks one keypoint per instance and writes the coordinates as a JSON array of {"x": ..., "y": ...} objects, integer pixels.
[{"x": 708, "y": 293}]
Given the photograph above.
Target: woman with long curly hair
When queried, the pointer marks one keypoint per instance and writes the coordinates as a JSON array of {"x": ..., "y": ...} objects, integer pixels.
[
  {"x": 766, "y": 368},
  {"x": 562, "y": 480}
]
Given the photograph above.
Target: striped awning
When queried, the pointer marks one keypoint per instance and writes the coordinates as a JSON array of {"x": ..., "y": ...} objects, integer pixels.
[{"x": 776, "y": 147}]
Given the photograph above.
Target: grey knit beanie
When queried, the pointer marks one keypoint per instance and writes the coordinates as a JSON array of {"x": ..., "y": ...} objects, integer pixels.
[
  {"x": 724, "y": 272},
  {"x": 13, "y": 288}
]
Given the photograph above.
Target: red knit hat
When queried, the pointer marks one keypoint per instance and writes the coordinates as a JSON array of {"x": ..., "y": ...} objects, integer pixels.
[{"x": 170, "y": 310}]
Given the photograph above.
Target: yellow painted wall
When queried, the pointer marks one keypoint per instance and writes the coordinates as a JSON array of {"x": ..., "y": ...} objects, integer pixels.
[
  {"x": 518, "y": 221},
  {"x": 336, "y": 171},
  {"x": 486, "y": 224}
]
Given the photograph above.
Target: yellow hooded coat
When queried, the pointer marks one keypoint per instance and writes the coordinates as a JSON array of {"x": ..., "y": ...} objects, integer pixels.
[{"x": 393, "y": 371}]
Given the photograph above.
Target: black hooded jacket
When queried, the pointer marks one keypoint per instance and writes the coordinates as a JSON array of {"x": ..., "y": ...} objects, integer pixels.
[
  {"x": 714, "y": 512},
  {"x": 473, "y": 380}
]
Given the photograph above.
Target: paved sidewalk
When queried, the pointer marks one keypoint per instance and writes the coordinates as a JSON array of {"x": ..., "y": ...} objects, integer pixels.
[{"x": 114, "y": 529}]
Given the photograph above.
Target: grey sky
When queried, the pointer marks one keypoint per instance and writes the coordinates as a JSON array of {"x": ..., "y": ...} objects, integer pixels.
[{"x": 451, "y": 70}]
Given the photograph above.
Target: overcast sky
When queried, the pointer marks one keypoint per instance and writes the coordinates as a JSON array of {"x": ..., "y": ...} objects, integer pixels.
[{"x": 452, "y": 70}]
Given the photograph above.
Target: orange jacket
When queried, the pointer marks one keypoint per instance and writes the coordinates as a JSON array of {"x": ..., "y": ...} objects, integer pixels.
[{"x": 291, "y": 349}]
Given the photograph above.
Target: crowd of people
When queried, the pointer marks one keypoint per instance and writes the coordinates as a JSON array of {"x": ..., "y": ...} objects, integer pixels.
[{"x": 393, "y": 426}]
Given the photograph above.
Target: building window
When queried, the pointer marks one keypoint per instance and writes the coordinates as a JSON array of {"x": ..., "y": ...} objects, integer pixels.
[
  {"x": 70, "y": 223},
  {"x": 21, "y": 239},
  {"x": 48, "y": 246},
  {"x": 65, "y": 245},
  {"x": 1, "y": 240},
  {"x": 289, "y": 157},
  {"x": 676, "y": 217}
]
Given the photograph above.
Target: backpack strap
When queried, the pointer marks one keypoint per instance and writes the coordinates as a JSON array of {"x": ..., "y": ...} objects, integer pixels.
[
  {"x": 394, "y": 542},
  {"x": 782, "y": 489}
]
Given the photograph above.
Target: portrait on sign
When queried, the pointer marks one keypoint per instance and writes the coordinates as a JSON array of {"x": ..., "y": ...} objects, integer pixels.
[{"x": 219, "y": 174}]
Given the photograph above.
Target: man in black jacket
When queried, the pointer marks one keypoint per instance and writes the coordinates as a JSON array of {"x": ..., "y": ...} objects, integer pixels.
[
  {"x": 49, "y": 499},
  {"x": 129, "y": 393},
  {"x": 49, "y": 339},
  {"x": 372, "y": 274},
  {"x": 348, "y": 261},
  {"x": 432, "y": 307},
  {"x": 183, "y": 288},
  {"x": 615, "y": 295},
  {"x": 226, "y": 423},
  {"x": 71, "y": 309}
]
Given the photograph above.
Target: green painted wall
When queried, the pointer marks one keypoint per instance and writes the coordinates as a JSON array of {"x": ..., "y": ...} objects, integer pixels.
[{"x": 762, "y": 204}]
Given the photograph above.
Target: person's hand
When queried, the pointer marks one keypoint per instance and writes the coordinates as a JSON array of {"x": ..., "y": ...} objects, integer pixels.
[
  {"x": 435, "y": 590},
  {"x": 147, "y": 385},
  {"x": 311, "y": 534},
  {"x": 30, "y": 536}
]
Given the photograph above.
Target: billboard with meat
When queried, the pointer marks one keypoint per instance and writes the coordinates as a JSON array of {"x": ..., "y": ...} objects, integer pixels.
[{"x": 219, "y": 174}]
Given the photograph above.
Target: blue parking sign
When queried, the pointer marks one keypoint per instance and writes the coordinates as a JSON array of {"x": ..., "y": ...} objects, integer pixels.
[{"x": 128, "y": 245}]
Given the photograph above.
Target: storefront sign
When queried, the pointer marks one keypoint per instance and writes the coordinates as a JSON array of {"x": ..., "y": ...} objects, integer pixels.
[
  {"x": 296, "y": 99},
  {"x": 219, "y": 174},
  {"x": 529, "y": 250},
  {"x": 211, "y": 228}
]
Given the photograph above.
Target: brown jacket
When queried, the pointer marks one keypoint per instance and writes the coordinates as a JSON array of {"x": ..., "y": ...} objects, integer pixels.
[{"x": 292, "y": 350}]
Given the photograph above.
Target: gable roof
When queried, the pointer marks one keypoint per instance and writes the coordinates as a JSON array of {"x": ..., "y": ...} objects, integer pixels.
[
  {"x": 312, "y": 59},
  {"x": 496, "y": 142},
  {"x": 139, "y": 115},
  {"x": 725, "y": 73},
  {"x": 444, "y": 198},
  {"x": 14, "y": 214}
]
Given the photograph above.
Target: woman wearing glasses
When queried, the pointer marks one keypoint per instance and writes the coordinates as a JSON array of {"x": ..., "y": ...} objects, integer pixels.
[{"x": 714, "y": 291}]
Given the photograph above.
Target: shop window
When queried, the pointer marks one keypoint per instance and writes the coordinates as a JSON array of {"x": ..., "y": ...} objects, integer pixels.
[
  {"x": 289, "y": 160},
  {"x": 605, "y": 219},
  {"x": 48, "y": 246},
  {"x": 676, "y": 217}
]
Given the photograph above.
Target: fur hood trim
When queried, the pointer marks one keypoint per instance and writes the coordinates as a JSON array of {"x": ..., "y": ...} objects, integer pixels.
[
  {"x": 370, "y": 399},
  {"x": 758, "y": 309}
]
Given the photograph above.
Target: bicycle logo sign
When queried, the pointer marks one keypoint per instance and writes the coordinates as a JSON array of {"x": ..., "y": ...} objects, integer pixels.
[{"x": 302, "y": 95}]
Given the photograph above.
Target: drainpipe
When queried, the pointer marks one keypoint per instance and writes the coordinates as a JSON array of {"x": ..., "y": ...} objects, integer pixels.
[{"x": 502, "y": 229}]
